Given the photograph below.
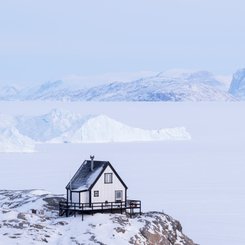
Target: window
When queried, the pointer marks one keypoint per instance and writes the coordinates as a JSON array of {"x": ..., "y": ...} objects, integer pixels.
[
  {"x": 118, "y": 196},
  {"x": 108, "y": 178},
  {"x": 96, "y": 193}
]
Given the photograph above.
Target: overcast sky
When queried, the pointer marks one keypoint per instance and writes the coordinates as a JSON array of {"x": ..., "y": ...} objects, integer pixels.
[{"x": 45, "y": 40}]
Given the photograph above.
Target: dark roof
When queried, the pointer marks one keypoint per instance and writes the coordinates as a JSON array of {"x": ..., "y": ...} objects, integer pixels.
[{"x": 85, "y": 179}]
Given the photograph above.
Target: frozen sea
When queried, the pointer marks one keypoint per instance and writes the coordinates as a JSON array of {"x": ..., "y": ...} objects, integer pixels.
[{"x": 200, "y": 182}]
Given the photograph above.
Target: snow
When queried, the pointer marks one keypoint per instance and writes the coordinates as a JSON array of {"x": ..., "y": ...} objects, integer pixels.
[
  {"x": 199, "y": 182},
  {"x": 165, "y": 86},
  {"x": 90, "y": 180},
  {"x": 21, "y": 133},
  {"x": 237, "y": 87},
  {"x": 39, "y": 192},
  {"x": 102, "y": 129},
  {"x": 50, "y": 125},
  {"x": 199, "y": 86},
  {"x": 19, "y": 225},
  {"x": 12, "y": 141}
]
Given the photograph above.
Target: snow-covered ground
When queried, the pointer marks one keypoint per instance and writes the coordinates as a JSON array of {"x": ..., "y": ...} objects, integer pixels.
[
  {"x": 20, "y": 225},
  {"x": 199, "y": 182}
]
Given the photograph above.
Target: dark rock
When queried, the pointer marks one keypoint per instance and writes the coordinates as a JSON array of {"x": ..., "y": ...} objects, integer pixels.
[
  {"x": 53, "y": 202},
  {"x": 21, "y": 216}
]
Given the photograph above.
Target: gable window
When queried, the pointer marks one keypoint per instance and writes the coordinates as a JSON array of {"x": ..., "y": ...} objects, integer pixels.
[
  {"x": 96, "y": 193},
  {"x": 108, "y": 178}
]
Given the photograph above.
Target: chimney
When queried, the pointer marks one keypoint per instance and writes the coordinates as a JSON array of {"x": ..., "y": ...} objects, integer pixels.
[{"x": 92, "y": 163}]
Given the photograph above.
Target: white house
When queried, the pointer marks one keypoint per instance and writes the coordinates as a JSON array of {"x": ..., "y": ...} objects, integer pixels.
[{"x": 96, "y": 181}]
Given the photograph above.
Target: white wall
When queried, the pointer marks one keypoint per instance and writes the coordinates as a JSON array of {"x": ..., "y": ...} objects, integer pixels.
[
  {"x": 84, "y": 197},
  {"x": 68, "y": 197},
  {"x": 107, "y": 191},
  {"x": 75, "y": 196}
]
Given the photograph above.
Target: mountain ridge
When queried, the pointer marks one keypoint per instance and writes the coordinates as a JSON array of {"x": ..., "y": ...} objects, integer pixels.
[
  {"x": 164, "y": 86},
  {"x": 237, "y": 87},
  {"x": 22, "y": 133}
]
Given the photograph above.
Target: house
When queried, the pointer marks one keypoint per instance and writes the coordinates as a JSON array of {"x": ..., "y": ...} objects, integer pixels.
[
  {"x": 97, "y": 187},
  {"x": 96, "y": 181}
]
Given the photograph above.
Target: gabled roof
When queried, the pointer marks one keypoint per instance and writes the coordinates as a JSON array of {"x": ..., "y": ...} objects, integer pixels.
[{"x": 84, "y": 179}]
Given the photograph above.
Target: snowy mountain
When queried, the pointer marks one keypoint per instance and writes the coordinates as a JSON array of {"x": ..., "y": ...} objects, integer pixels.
[
  {"x": 11, "y": 140},
  {"x": 8, "y": 93},
  {"x": 237, "y": 87},
  {"x": 166, "y": 86},
  {"x": 102, "y": 129},
  {"x": 54, "y": 124},
  {"x": 22, "y": 132},
  {"x": 19, "y": 225},
  {"x": 54, "y": 90},
  {"x": 200, "y": 86}
]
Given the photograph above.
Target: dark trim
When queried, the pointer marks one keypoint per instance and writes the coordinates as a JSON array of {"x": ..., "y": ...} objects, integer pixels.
[
  {"x": 102, "y": 171},
  {"x": 90, "y": 198},
  {"x": 67, "y": 195},
  {"x": 118, "y": 176},
  {"x": 125, "y": 195},
  {"x": 79, "y": 191},
  {"x": 68, "y": 185}
]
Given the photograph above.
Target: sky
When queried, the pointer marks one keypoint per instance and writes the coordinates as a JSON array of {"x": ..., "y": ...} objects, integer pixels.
[{"x": 45, "y": 40}]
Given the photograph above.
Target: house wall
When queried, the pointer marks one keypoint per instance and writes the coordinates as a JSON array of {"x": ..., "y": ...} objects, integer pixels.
[
  {"x": 68, "y": 196},
  {"x": 84, "y": 197},
  {"x": 75, "y": 196},
  {"x": 107, "y": 191}
]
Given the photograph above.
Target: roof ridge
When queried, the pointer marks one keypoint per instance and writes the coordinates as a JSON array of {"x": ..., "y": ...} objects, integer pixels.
[{"x": 84, "y": 172}]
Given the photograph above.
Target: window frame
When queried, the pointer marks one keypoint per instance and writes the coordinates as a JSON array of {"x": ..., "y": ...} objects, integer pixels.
[
  {"x": 96, "y": 193},
  {"x": 121, "y": 195},
  {"x": 108, "y": 178}
]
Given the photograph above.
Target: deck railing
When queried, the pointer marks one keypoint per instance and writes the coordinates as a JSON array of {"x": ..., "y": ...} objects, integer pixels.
[{"x": 95, "y": 207}]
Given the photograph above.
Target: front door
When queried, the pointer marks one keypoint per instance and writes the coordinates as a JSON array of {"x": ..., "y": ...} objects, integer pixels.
[{"x": 118, "y": 196}]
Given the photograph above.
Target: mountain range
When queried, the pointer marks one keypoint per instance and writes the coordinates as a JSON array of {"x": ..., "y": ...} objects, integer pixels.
[
  {"x": 237, "y": 88},
  {"x": 21, "y": 133},
  {"x": 165, "y": 86}
]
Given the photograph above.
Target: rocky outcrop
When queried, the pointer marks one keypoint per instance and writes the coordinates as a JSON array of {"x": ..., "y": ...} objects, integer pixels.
[
  {"x": 163, "y": 230},
  {"x": 156, "y": 228},
  {"x": 31, "y": 217}
]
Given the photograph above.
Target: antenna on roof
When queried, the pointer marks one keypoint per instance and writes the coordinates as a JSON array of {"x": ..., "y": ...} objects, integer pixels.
[{"x": 92, "y": 162}]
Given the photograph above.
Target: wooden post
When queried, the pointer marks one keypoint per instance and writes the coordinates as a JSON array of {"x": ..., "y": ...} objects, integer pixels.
[
  {"x": 66, "y": 209},
  {"x": 82, "y": 211}
]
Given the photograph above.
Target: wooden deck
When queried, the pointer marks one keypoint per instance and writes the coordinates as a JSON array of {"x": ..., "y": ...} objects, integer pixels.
[{"x": 73, "y": 208}]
